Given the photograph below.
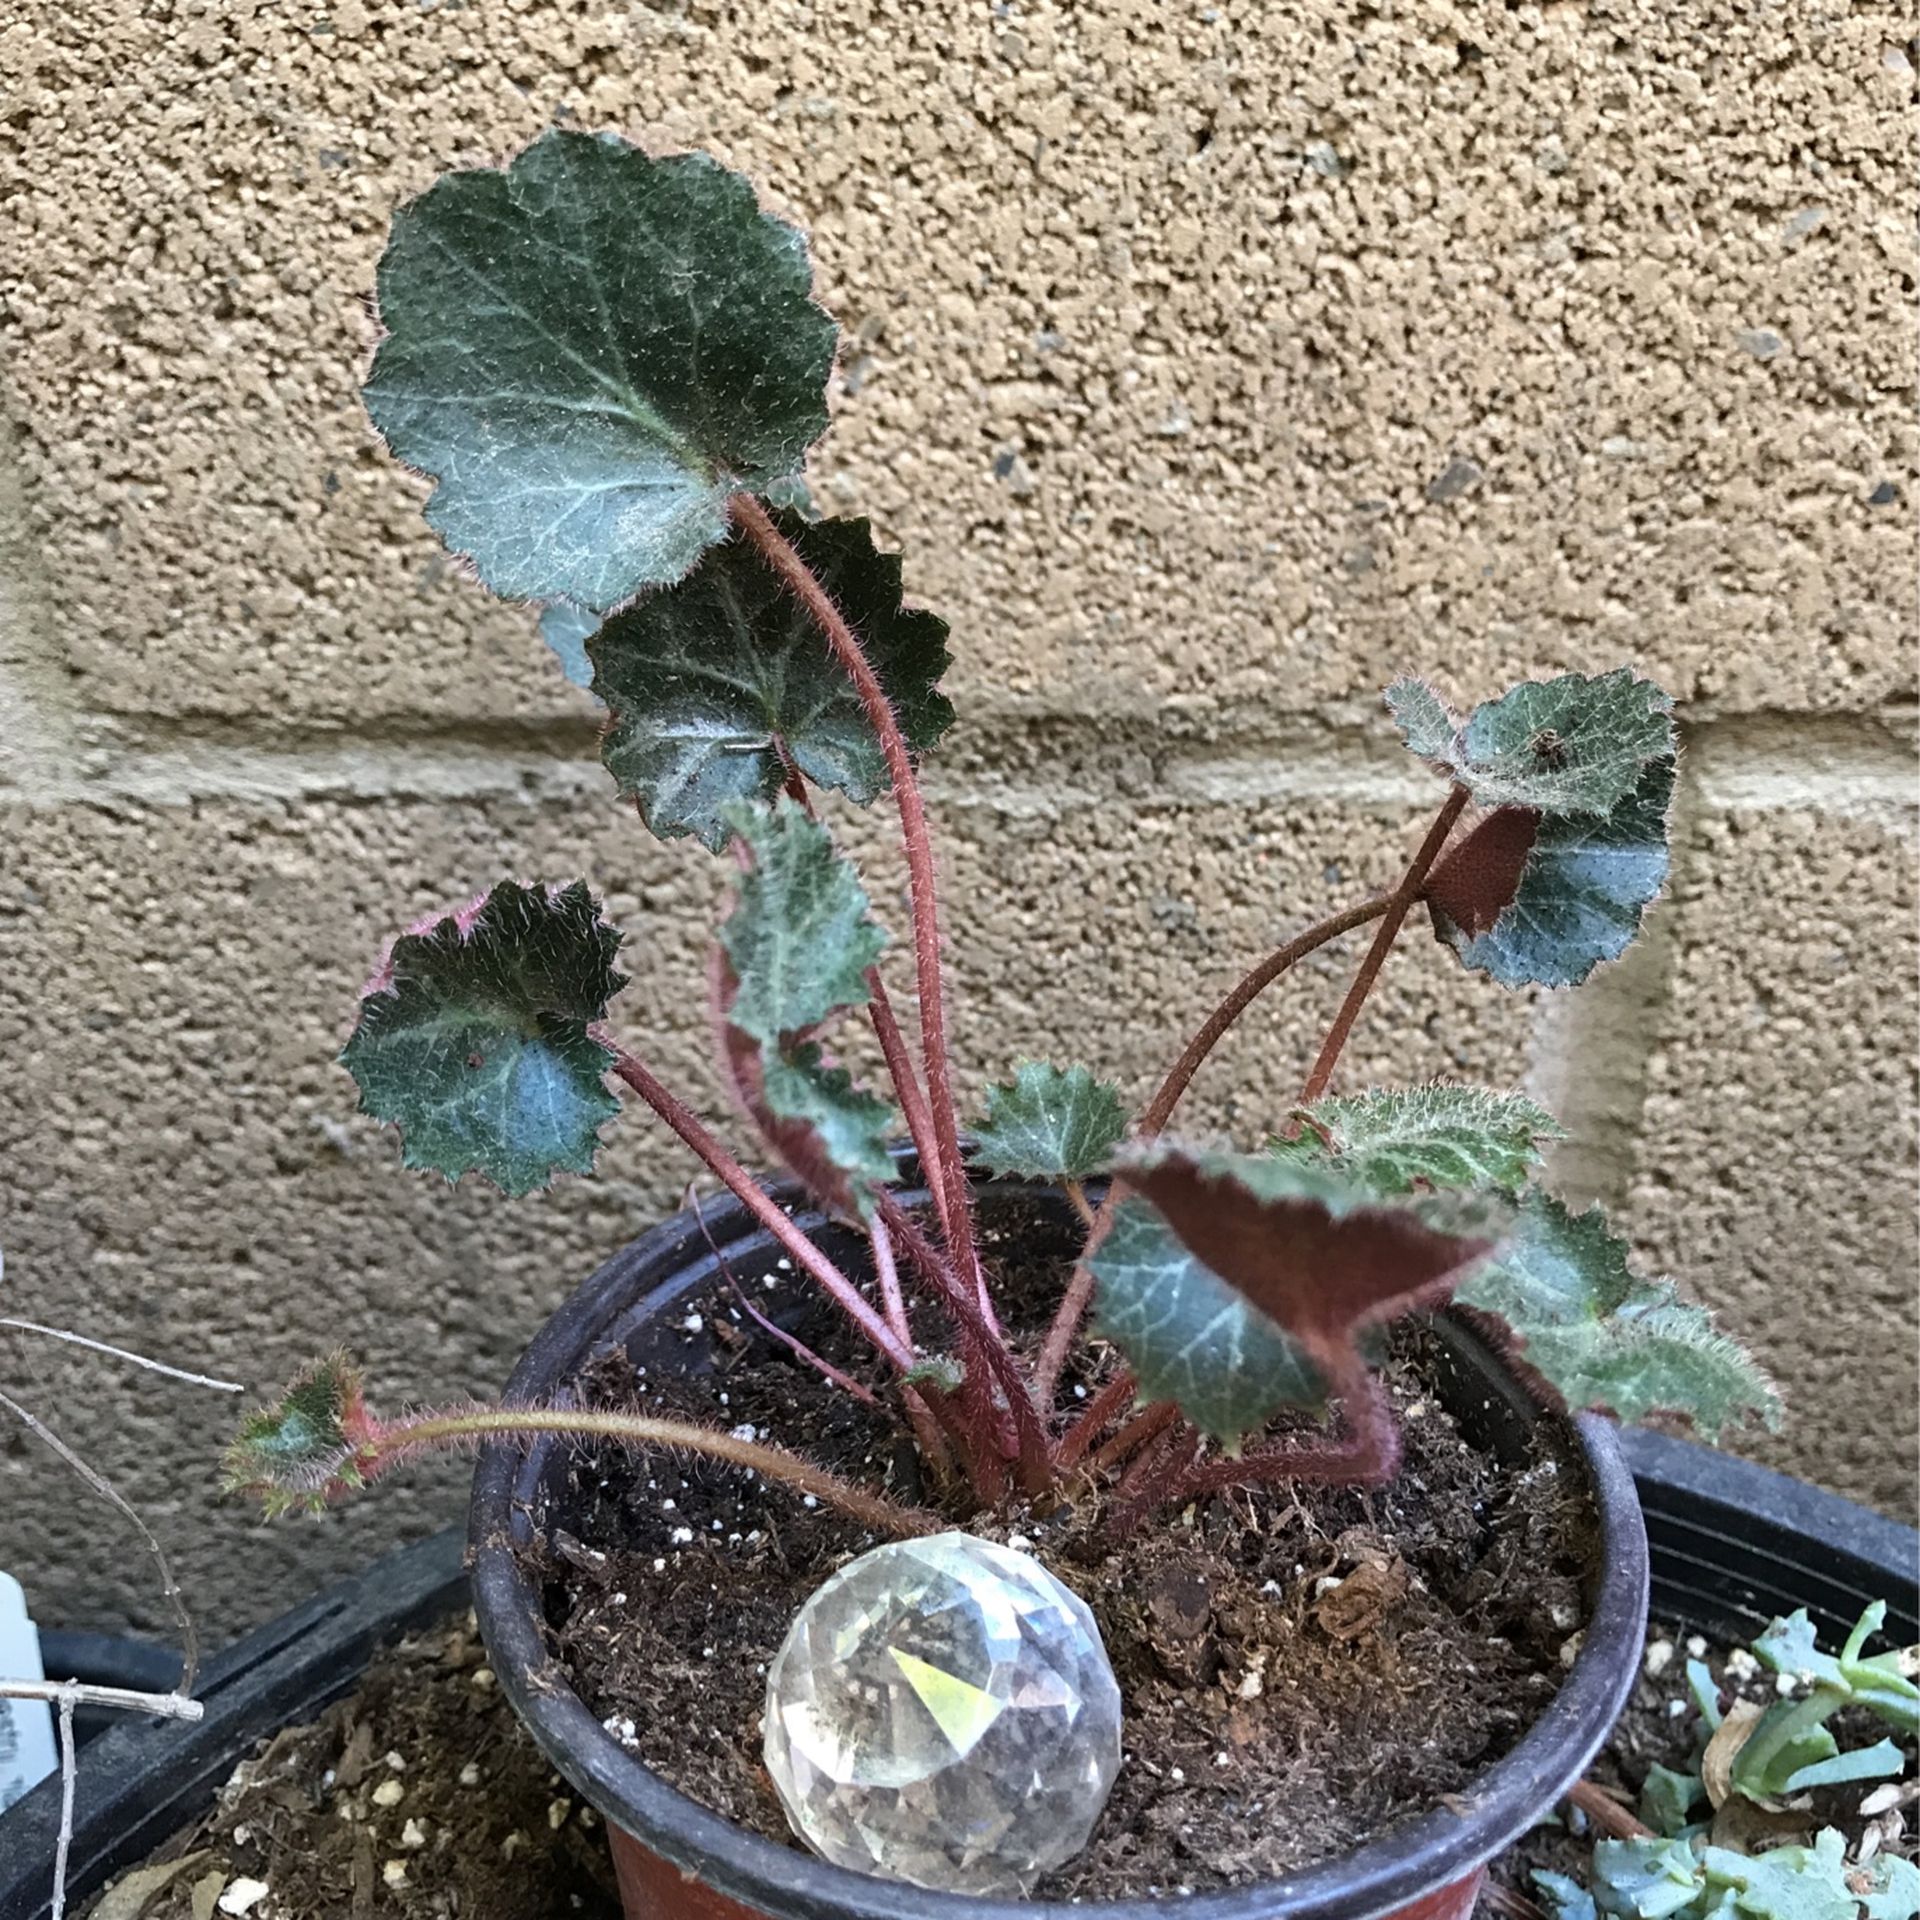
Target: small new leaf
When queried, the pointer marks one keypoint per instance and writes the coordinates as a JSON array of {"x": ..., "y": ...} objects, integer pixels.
[
  {"x": 1188, "y": 1336},
  {"x": 1050, "y": 1123},
  {"x": 707, "y": 681},
  {"x": 1600, "y": 1337},
  {"x": 588, "y": 350},
  {"x": 473, "y": 1037},
  {"x": 308, "y": 1447},
  {"x": 1541, "y": 900},
  {"x": 1574, "y": 745},
  {"x": 1314, "y": 1251},
  {"x": 1395, "y": 1140},
  {"x": 800, "y": 938},
  {"x": 1426, "y": 721}
]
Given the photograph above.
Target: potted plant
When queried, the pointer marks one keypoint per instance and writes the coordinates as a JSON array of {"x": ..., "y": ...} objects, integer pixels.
[{"x": 1054, "y": 1350}]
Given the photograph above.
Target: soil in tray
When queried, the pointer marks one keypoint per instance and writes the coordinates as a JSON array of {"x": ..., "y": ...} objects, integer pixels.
[
  {"x": 421, "y": 1797},
  {"x": 314, "y": 1814},
  {"x": 1302, "y": 1668}
]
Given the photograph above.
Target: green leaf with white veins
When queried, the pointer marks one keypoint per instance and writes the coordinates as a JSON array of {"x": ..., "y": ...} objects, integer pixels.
[
  {"x": 706, "y": 681},
  {"x": 473, "y": 1037},
  {"x": 800, "y": 937},
  {"x": 1573, "y": 745},
  {"x": 588, "y": 350},
  {"x": 1050, "y": 1123},
  {"x": 1393, "y": 1139},
  {"x": 1600, "y": 1337},
  {"x": 1582, "y": 887},
  {"x": 1429, "y": 725},
  {"x": 1189, "y": 1336},
  {"x": 849, "y": 1124}
]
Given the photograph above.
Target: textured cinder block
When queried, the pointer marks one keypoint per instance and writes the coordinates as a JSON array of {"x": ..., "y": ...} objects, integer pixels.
[
  {"x": 183, "y": 1169},
  {"x": 1774, "y": 1170},
  {"x": 1250, "y": 352}
]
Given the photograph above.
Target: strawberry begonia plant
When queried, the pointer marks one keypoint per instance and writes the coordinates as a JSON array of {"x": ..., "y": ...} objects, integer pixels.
[{"x": 612, "y": 368}]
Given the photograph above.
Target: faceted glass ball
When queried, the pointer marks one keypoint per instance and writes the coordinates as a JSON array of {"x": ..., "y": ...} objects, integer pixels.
[{"x": 942, "y": 1711}]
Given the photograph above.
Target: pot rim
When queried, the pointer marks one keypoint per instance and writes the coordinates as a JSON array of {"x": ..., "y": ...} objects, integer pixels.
[{"x": 1421, "y": 1855}]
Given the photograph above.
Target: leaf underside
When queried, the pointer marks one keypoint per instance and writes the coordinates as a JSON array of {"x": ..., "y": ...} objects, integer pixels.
[
  {"x": 800, "y": 938},
  {"x": 1050, "y": 1123},
  {"x": 1395, "y": 1140},
  {"x": 1188, "y": 1336},
  {"x": 474, "y": 1039},
  {"x": 1603, "y": 1338},
  {"x": 587, "y": 351},
  {"x": 1583, "y": 887},
  {"x": 706, "y": 681},
  {"x": 1316, "y": 1253}
]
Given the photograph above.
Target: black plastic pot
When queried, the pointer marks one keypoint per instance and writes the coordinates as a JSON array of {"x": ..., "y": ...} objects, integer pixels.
[
  {"x": 679, "y": 1860},
  {"x": 1731, "y": 1546}
]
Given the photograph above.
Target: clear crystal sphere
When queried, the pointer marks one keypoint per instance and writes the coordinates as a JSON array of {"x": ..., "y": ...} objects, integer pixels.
[{"x": 942, "y": 1711}]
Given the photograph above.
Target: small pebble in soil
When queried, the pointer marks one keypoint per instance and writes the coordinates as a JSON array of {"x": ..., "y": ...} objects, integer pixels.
[
  {"x": 470, "y": 1775},
  {"x": 389, "y": 1793},
  {"x": 394, "y": 1873},
  {"x": 242, "y": 1896},
  {"x": 413, "y": 1834}
]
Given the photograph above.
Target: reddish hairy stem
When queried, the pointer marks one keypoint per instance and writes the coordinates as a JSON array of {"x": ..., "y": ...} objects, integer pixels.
[
  {"x": 913, "y": 1101},
  {"x": 981, "y": 1347},
  {"x": 755, "y": 523},
  {"x": 906, "y": 1083},
  {"x": 1145, "y": 1425},
  {"x": 1367, "y": 1455},
  {"x": 1116, "y": 1394},
  {"x": 1399, "y": 905},
  {"x": 393, "y": 1441},
  {"x": 1159, "y": 1110},
  {"x": 805, "y": 1254}
]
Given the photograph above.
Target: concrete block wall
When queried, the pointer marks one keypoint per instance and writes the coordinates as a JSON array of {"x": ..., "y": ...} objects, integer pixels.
[{"x": 1210, "y": 363}]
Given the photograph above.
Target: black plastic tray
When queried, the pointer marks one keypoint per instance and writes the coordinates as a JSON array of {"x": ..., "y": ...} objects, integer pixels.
[{"x": 1732, "y": 1546}]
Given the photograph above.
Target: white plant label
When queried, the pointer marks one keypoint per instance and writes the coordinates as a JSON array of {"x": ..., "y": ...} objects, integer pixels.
[{"x": 27, "y": 1754}]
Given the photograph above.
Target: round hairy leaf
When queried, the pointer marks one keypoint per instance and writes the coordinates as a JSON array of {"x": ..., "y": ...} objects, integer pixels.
[
  {"x": 1576, "y": 744},
  {"x": 1188, "y": 1336},
  {"x": 800, "y": 938},
  {"x": 1583, "y": 885},
  {"x": 1050, "y": 1123},
  {"x": 1603, "y": 1338},
  {"x": 1572, "y": 745},
  {"x": 1312, "y": 1249},
  {"x": 473, "y": 1038},
  {"x": 588, "y": 350},
  {"x": 707, "y": 680},
  {"x": 1391, "y": 1140}
]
